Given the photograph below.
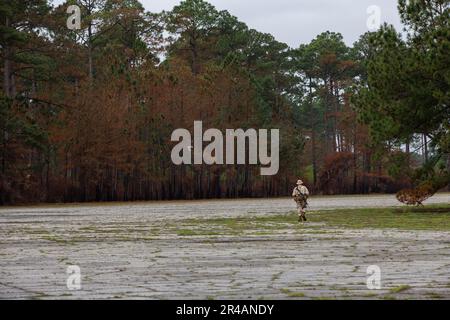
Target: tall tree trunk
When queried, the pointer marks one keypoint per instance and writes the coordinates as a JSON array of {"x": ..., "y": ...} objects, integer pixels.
[
  {"x": 313, "y": 134},
  {"x": 90, "y": 6},
  {"x": 91, "y": 66},
  {"x": 425, "y": 147},
  {"x": 326, "y": 119},
  {"x": 7, "y": 66},
  {"x": 6, "y": 89},
  {"x": 448, "y": 168},
  {"x": 194, "y": 51},
  {"x": 7, "y": 74},
  {"x": 408, "y": 154},
  {"x": 408, "y": 148},
  {"x": 367, "y": 169},
  {"x": 333, "y": 108},
  {"x": 355, "y": 161}
]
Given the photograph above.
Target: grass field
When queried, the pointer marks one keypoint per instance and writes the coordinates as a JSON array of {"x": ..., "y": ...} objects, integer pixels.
[
  {"x": 198, "y": 250},
  {"x": 435, "y": 217}
]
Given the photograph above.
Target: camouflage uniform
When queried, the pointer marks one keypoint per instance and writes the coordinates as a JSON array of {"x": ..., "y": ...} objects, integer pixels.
[{"x": 300, "y": 195}]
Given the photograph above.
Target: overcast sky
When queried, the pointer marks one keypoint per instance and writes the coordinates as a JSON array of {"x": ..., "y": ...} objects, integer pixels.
[{"x": 299, "y": 21}]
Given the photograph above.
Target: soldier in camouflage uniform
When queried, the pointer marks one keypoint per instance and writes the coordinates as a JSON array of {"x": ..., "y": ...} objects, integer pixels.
[{"x": 300, "y": 195}]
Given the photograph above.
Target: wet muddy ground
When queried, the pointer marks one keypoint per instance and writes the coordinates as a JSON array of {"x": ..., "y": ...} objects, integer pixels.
[{"x": 146, "y": 251}]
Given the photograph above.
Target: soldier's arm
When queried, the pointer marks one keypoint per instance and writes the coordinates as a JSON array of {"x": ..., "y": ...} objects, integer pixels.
[{"x": 306, "y": 191}]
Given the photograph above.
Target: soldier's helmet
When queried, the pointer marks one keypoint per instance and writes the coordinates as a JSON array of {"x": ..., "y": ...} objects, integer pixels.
[{"x": 299, "y": 182}]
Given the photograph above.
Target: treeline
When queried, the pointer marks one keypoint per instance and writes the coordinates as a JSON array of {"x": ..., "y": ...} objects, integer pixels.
[{"x": 87, "y": 115}]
